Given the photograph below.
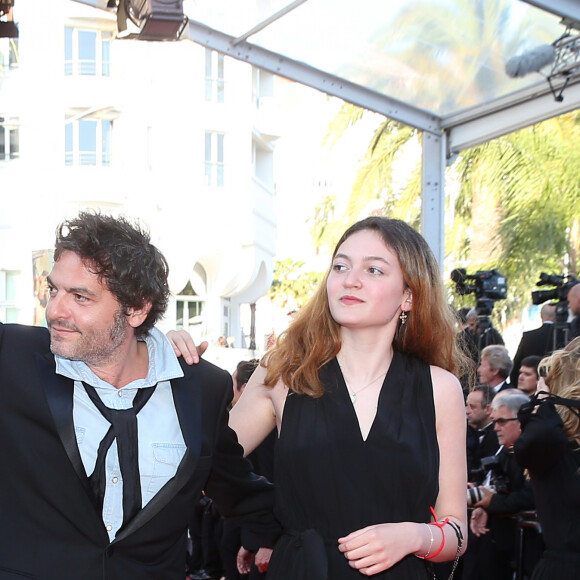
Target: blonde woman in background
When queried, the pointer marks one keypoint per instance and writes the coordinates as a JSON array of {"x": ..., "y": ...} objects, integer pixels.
[{"x": 549, "y": 448}]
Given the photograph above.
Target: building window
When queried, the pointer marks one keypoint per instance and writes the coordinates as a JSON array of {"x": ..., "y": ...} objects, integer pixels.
[
  {"x": 262, "y": 161},
  {"x": 214, "y": 76},
  {"x": 189, "y": 312},
  {"x": 8, "y": 55},
  {"x": 8, "y": 310},
  {"x": 262, "y": 85},
  {"x": 214, "y": 159},
  {"x": 9, "y": 139},
  {"x": 226, "y": 319},
  {"x": 87, "y": 52},
  {"x": 106, "y": 55},
  {"x": 88, "y": 142}
]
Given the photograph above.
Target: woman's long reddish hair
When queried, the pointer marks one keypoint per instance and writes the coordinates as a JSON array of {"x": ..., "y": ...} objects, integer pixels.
[{"x": 313, "y": 337}]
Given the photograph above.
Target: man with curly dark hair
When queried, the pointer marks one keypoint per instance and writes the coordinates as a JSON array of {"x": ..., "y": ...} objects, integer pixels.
[
  {"x": 108, "y": 441},
  {"x": 121, "y": 254}
]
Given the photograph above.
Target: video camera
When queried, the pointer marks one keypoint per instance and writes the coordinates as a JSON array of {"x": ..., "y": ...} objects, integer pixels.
[
  {"x": 498, "y": 480},
  {"x": 562, "y": 284},
  {"x": 559, "y": 294},
  {"x": 488, "y": 286}
]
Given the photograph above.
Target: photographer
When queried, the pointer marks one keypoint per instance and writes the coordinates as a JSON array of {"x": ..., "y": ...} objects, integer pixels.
[
  {"x": 536, "y": 342},
  {"x": 548, "y": 448},
  {"x": 478, "y": 334},
  {"x": 488, "y": 286},
  {"x": 566, "y": 297},
  {"x": 491, "y": 549}
]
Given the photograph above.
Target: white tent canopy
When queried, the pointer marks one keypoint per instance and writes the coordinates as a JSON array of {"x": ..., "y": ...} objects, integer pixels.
[{"x": 399, "y": 61}]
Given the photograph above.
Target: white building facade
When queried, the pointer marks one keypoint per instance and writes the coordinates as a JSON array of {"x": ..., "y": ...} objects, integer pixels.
[{"x": 169, "y": 133}]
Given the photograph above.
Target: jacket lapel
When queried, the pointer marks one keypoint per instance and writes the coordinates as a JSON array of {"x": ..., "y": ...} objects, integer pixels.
[
  {"x": 187, "y": 399},
  {"x": 59, "y": 394}
]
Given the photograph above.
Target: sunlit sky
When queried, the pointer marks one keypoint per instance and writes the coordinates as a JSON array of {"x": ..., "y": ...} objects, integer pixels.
[{"x": 305, "y": 171}]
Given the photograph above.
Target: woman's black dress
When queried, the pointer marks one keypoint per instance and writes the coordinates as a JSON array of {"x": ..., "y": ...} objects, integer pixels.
[
  {"x": 554, "y": 466},
  {"x": 330, "y": 482}
]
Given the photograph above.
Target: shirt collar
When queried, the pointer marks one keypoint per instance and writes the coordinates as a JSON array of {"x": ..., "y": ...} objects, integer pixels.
[
  {"x": 499, "y": 386},
  {"x": 163, "y": 365}
]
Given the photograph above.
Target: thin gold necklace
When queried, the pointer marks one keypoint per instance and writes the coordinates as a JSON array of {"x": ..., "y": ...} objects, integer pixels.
[{"x": 353, "y": 394}]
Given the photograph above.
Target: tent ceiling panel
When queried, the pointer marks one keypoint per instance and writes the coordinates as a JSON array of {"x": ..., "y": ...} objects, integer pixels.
[
  {"x": 432, "y": 64},
  {"x": 315, "y": 78},
  {"x": 437, "y": 55},
  {"x": 495, "y": 124},
  {"x": 496, "y": 118}
]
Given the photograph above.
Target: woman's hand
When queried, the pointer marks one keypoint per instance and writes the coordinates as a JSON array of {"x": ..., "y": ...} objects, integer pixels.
[
  {"x": 377, "y": 548},
  {"x": 244, "y": 560},
  {"x": 183, "y": 345},
  {"x": 478, "y": 523},
  {"x": 262, "y": 559}
]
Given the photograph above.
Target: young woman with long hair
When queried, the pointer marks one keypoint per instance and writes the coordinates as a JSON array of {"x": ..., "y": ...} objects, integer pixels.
[{"x": 371, "y": 418}]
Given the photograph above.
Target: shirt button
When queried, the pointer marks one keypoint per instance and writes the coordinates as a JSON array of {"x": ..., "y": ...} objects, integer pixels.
[
  {"x": 109, "y": 528},
  {"x": 115, "y": 479},
  {"x": 120, "y": 393}
]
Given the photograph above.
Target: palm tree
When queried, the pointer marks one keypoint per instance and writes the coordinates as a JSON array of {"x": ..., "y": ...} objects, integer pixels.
[
  {"x": 376, "y": 183},
  {"x": 323, "y": 216},
  {"x": 530, "y": 182}
]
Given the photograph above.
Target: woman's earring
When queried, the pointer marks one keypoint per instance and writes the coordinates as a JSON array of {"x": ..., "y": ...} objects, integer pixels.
[{"x": 403, "y": 318}]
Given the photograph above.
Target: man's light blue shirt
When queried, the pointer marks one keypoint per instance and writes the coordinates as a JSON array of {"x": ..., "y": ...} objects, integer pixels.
[{"x": 161, "y": 443}]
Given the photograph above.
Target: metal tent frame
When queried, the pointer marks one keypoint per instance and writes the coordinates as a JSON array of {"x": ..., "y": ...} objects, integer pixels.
[{"x": 444, "y": 135}]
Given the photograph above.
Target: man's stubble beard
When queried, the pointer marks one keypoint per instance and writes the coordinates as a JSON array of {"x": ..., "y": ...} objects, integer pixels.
[{"x": 95, "y": 348}]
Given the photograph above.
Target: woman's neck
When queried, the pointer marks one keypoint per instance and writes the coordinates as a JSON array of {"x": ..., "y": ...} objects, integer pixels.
[{"x": 364, "y": 359}]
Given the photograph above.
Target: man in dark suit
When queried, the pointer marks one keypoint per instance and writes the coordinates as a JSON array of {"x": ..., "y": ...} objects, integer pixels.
[
  {"x": 107, "y": 440},
  {"x": 494, "y": 367},
  {"x": 491, "y": 547},
  {"x": 539, "y": 342},
  {"x": 482, "y": 438}
]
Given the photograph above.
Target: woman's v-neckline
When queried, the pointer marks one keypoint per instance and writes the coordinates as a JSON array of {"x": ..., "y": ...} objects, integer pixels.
[{"x": 352, "y": 411}]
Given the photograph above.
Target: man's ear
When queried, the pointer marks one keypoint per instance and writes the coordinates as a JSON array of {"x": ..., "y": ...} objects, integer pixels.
[{"x": 136, "y": 316}]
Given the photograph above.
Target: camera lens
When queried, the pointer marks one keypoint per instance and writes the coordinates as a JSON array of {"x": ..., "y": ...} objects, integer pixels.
[{"x": 474, "y": 495}]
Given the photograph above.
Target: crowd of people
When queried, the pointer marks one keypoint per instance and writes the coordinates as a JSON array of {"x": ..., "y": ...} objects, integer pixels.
[
  {"x": 358, "y": 445},
  {"x": 518, "y": 448}
]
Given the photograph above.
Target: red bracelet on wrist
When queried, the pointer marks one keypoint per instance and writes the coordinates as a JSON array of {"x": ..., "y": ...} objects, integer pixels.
[{"x": 440, "y": 526}]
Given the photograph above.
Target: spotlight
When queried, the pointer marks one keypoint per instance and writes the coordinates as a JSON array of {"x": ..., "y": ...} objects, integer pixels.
[
  {"x": 8, "y": 28},
  {"x": 155, "y": 19},
  {"x": 6, "y": 6}
]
